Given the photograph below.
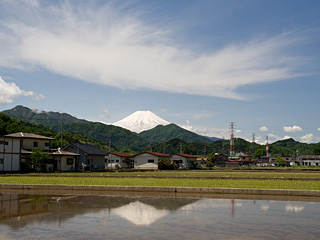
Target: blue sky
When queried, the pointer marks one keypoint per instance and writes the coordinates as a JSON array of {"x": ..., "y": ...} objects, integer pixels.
[{"x": 199, "y": 64}]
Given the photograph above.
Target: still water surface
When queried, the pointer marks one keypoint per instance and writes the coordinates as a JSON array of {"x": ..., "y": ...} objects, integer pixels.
[{"x": 62, "y": 217}]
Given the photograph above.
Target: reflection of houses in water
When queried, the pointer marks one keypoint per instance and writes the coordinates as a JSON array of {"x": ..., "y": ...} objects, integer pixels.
[
  {"x": 17, "y": 205},
  {"x": 20, "y": 210}
]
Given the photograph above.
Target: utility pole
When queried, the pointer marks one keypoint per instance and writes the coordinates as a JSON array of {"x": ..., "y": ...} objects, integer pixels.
[
  {"x": 232, "y": 151},
  {"x": 61, "y": 131},
  {"x": 253, "y": 142},
  {"x": 222, "y": 147}
]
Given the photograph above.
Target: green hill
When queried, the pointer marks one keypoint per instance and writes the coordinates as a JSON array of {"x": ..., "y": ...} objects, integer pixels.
[
  {"x": 10, "y": 125},
  {"x": 118, "y": 137},
  {"x": 165, "y": 133},
  {"x": 288, "y": 147},
  {"x": 167, "y": 139},
  {"x": 39, "y": 117}
]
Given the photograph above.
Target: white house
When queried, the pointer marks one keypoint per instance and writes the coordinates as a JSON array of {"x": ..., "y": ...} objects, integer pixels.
[
  {"x": 149, "y": 160},
  {"x": 63, "y": 161},
  {"x": 10, "y": 152},
  {"x": 183, "y": 160},
  {"x": 114, "y": 160},
  {"x": 16, "y": 150},
  {"x": 308, "y": 160}
]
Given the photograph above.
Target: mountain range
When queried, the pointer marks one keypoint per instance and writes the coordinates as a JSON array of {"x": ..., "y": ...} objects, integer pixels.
[
  {"x": 118, "y": 137},
  {"x": 168, "y": 138}
]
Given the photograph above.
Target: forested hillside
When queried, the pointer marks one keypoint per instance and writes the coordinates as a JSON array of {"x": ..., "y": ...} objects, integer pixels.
[
  {"x": 162, "y": 133},
  {"x": 167, "y": 139}
]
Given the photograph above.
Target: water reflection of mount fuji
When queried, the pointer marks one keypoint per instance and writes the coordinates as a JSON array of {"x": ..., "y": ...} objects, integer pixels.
[{"x": 20, "y": 210}]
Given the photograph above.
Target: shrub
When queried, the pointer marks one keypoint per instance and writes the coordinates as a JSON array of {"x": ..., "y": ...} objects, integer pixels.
[{"x": 166, "y": 165}]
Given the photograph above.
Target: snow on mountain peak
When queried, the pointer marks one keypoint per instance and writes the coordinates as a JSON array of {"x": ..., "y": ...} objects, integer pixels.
[{"x": 140, "y": 121}]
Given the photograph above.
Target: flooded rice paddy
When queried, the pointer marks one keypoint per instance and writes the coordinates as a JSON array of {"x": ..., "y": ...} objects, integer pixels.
[{"x": 56, "y": 216}]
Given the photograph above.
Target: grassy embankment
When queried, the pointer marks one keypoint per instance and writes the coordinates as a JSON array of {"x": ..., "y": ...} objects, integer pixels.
[{"x": 254, "y": 180}]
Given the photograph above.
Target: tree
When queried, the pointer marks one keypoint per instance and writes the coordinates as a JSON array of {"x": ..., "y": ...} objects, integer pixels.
[
  {"x": 279, "y": 161},
  {"x": 259, "y": 153},
  {"x": 39, "y": 159},
  {"x": 316, "y": 150},
  {"x": 128, "y": 150},
  {"x": 166, "y": 165}
]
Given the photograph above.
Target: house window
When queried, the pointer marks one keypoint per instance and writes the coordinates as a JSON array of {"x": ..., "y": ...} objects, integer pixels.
[
  {"x": 4, "y": 142},
  {"x": 69, "y": 161},
  {"x": 46, "y": 144},
  {"x": 117, "y": 161},
  {"x": 1, "y": 160},
  {"x": 35, "y": 144},
  {"x": 111, "y": 161},
  {"x": 150, "y": 160}
]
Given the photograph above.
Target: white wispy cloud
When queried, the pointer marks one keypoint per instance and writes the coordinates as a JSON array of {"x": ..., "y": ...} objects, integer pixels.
[
  {"x": 294, "y": 208},
  {"x": 10, "y": 91},
  {"x": 263, "y": 129},
  {"x": 273, "y": 137},
  {"x": 38, "y": 96},
  {"x": 286, "y": 137},
  {"x": 308, "y": 138},
  {"x": 106, "y": 113},
  {"x": 115, "y": 46},
  {"x": 210, "y": 132},
  {"x": 163, "y": 110},
  {"x": 293, "y": 129}
]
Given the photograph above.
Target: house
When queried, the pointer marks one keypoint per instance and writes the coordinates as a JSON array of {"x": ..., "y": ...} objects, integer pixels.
[
  {"x": 183, "y": 160},
  {"x": 308, "y": 160},
  {"x": 10, "y": 154},
  {"x": 263, "y": 161},
  {"x": 91, "y": 158},
  {"x": 149, "y": 160},
  {"x": 115, "y": 160},
  {"x": 220, "y": 160},
  {"x": 270, "y": 161},
  {"x": 246, "y": 160},
  {"x": 202, "y": 162},
  {"x": 16, "y": 149},
  {"x": 61, "y": 160}
]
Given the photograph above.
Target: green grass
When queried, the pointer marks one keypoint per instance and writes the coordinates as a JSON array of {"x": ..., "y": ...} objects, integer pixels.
[
  {"x": 195, "y": 174},
  {"x": 166, "y": 182}
]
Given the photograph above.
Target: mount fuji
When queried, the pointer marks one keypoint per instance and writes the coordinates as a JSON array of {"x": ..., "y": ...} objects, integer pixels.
[{"x": 140, "y": 121}]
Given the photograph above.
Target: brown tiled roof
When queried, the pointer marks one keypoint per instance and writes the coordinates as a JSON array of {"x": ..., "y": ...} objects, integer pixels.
[
  {"x": 28, "y": 135},
  {"x": 154, "y": 153},
  {"x": 121, "y": 154},
  {"x": 185, "y": 155}
]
